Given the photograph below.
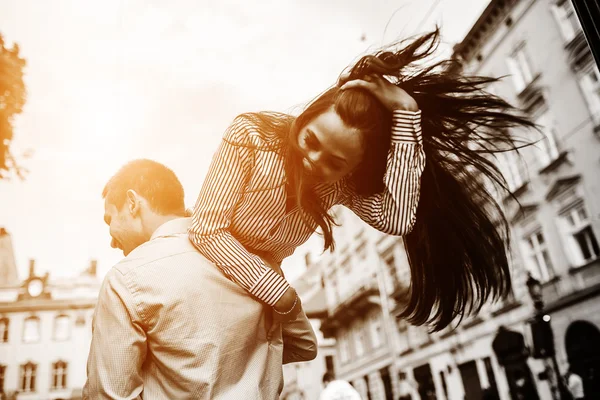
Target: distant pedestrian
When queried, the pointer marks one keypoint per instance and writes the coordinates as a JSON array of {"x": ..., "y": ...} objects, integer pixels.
[
  {"x": 574, "y": 384},
  {"x": 337, "y": 389}
]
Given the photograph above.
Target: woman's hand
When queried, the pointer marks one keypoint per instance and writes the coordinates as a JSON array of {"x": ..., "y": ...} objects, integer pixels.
[
  {"x": 390, "y": 95},
  {"x": 290, "y": 303},
  {"x": 288, "y": 307}
]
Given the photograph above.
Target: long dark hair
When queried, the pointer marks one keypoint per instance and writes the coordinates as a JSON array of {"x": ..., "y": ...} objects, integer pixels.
[{"x": 458, "y": 247}]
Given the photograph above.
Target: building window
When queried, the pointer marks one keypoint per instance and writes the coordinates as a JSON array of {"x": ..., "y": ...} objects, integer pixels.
[
  {"x": 512, "y": 169},
  {"x": 567, "y": 20},
  {"x": 344, "y": 348},
  {"x": 392, "y": 270},
  {"x": 590, "y": 85},
  {"x": 2, "y": 374},
  {"x": 59, "y": 375},
  {"x": 520, "y": 69},
  {"x": 359, "y": 341},
  {"x": 514, "y": 265},
  {"x": 390, "y": 262},
  {"x": 490, "y": 374},
  {"x": 31, "y": 330},
  {"x": 346, "y": 266},
  {"x": 444, "y": 384},
  {"x": 4, "y": 330},
  {"x": 361, "y": 251},
  {"x": 28, "y": 372},
  {"x": 368, "y": 387},
  {"x": 580, "y": 238},
  {"x": 62, "y": 328},
  {"x": 537, "y": 256},
  {"x": 334, "y": 289},
  {"x": 376, "y": 332},
  {"x": 547, "y": 148}
]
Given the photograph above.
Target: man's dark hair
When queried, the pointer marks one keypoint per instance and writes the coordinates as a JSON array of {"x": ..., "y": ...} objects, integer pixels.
[
  {"x": 328, "y": 377},
  {"x": 153, "y": 181}
]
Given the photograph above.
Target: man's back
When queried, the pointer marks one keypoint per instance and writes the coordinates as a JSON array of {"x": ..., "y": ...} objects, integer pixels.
[{"x": 198, "y": 334}]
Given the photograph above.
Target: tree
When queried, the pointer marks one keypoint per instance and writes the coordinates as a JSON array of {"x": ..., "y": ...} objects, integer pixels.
[{"x": 12, "y": 100}]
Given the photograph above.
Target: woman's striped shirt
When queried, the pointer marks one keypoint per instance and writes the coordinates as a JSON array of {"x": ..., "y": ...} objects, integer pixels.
[{"x": 241, "y": 209}]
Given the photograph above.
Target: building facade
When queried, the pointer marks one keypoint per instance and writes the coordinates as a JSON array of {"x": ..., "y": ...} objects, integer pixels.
[
  {"x": 537, "y": 45},
  {"x": 553, "y": 77},
  {"x": 360, "y": 279},
  {"x": 45, "y": 334},
  {"x": 384, "y": 357}
]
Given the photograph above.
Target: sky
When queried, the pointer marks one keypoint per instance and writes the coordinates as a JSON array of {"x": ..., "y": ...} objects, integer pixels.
[{"x": 116, "y": 80}]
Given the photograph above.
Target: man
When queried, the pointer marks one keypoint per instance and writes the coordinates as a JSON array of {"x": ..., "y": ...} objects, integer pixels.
[
  {"x": 337, "y": 389},
  {"x": 574, "y": 385},
  {"x": 168, "y": 323}
]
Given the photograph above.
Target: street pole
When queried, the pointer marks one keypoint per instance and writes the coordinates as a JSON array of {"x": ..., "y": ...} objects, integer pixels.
[
  {"x": 558, "y": 377},
  {"x": 546, "y": 348}
]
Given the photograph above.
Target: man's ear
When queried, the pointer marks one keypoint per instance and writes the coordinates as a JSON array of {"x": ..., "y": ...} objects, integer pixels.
[{"x": 133, "y": 202}]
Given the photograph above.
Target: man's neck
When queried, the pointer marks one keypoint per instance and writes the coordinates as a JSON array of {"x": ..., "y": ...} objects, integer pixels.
[{"x": 156, "y": 221}]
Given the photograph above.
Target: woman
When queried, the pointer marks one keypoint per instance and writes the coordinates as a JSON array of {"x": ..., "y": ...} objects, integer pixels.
[{"x": 393, "y": 141}]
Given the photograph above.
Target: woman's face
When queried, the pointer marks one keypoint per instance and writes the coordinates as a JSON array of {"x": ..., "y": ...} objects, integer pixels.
[{"x": 331, "y": 149}]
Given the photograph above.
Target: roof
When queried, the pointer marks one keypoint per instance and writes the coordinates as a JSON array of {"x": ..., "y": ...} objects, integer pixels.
[{"x": 484, "y": 26}]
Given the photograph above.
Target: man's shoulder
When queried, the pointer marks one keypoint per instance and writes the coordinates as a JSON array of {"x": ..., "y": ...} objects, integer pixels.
[
  {"x": 162, "y": 250},
  {"x": 169, "y": 262}
]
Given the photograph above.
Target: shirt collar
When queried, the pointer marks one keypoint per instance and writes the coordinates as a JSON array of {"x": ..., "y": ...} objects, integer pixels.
[{"x": 173, "y": 227}]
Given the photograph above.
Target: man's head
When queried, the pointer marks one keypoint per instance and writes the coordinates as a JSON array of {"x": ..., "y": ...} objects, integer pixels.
[
  {"x": 328, "y": 377},
  {"x": 139, "y": 198}
]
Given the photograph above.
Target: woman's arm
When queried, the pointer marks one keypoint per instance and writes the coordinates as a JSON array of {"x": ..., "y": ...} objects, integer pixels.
[
  {"x": 393, "y": 211},
  {"x": 209, "y": 232}
]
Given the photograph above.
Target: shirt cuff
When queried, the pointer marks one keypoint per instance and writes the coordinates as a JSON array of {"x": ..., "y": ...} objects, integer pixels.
[
  {"x": 270, "y": 287},
  {"x": 406, "y": 126}
]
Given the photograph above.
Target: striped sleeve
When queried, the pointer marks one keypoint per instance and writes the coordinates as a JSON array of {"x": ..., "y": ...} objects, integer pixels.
[
  {"x": 394, "y": 210},
  {"x": 211, "y": 219}
]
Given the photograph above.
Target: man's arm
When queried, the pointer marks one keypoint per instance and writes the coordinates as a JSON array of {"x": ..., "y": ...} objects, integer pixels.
[{"x": 118, "y": 347}]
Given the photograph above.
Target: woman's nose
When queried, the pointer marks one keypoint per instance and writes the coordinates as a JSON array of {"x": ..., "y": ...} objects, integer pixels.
[{"x": 314, "y": 156}]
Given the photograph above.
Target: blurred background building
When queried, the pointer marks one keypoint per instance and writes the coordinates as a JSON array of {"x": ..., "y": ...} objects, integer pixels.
[
  {"x": 303, "y": 380},
  {"x": 45, "y": 330}
]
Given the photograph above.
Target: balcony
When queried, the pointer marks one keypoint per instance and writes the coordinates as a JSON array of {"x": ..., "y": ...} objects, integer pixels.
[
  {"x": 354, "y": 306},
  {"x": 575, "y": 286},
  {"x": 532, "y": 96},
  {"x": 578, "y": 52},
  {"x": 401, "y": 296}
]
